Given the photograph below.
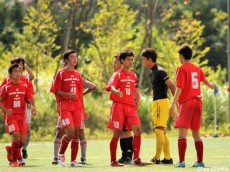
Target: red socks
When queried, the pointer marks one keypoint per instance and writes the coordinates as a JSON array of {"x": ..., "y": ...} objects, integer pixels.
[
  {"x": 136, "y": 146},
  {"x": 199, "y": 150},
  {"x": 113, "y": 148},
  {"x": 64, "y": 145},
  {"x": 14, "y": 149},
  {"x": 182, "y": 145},
  {"x": 74, "y": 148}
]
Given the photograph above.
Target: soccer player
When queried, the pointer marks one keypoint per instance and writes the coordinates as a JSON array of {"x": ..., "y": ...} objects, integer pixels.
[
  {"x": 188, "y": 95},
  {"x": 20, "y": 60},
  {"x": 160, "y": 106},
  {"x": 124, "y": 108},
  {"x": 89, "y": 86},
  {"x": 126, "y": 137},
  {"x": 68, "y": 86},
  {"x": 13, "y": 99}
]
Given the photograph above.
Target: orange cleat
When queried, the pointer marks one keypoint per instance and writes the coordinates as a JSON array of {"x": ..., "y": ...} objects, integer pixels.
[
  {"x": 116, "y": 164},
  {"x": 9, "y": 153},
  {"x": 14, "y": 164}
]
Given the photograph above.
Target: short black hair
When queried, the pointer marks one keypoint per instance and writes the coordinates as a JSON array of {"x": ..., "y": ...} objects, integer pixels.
[
  {"x": 149, "y": 53},
  {"x": 67, "y": 53},
  {"x": 125, "y": 53},
  {"x": 186, "y": 51},
  {"x": 17, "y": 59},
  {"x": 14, "y": 65}
]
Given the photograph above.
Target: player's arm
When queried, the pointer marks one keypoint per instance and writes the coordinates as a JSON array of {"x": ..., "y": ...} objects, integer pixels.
[
  {"x": 34, "y": 110},
  {"x": 115, "y": 91},
  {"x": 208, "y": 83},
  {"x": 4, "y": 109},
  {"x": 171, "y": 86},
  {"x": 89, "y": 85},
  {"x": 114, "y": 84},
  {"x": 137, "y": 96},
  {"x": 29, "y": 71},
  {"x": 66, "y": 94},
  {"x": 175, "y": 100}
]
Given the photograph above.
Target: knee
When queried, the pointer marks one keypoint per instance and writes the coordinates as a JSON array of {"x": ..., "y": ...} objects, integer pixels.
[
  {"x": 137, "y": 131},
  {"x": 60, "y": 133}
]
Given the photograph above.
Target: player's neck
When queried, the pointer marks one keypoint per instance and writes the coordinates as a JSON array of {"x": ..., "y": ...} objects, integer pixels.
[
  {"x": 186, "y": 61},
  {"x": 125, "y": 69},
  {"x": 15, "y": 81},
  {"x": 70, "y": 68}
]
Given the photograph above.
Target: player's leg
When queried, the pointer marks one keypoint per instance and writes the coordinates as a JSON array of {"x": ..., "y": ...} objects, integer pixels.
[
  {"x": 57, "y": 143},
  {"x": 182, "y": 146},
  {"x": 115, "y": 123},
  {"x": 166, "y": 149},
  {"x": 23, "y": 141},
  {"x": 126, "y": 140},
  {"x": 74, "y": 148},
  {"x": 137, "y": 145},
  {"x": 28, "y": 127},
  {"x": 83, "y": 144},
  {"x": 199, "y": 148},
  {"x": 15, "y": 145},
  {"x": 68, "y": 125},
  {"x": 123, "y": 146},
  {"x": 57, "y": 140},
  {"x": 160, "y": 141},
  {"x": 113, "y": 148},
  {"x": 195, "y": 126}
]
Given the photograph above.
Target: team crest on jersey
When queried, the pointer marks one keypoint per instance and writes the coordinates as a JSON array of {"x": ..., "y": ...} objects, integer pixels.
[
  {"x": 116, "y": 124},
  {"x": 11, "y": 128}
]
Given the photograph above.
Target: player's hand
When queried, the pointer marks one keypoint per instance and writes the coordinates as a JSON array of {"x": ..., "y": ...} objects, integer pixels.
[
  {"x": 119, "y": 93},
  {"x": 171, "y": 110},
  {"x": 137, "y": 106},
  {"x": 85, "y": 115},
  {"x": 9, "y": 111},
  {"x": 211, "y": 85},
  {"x": 34, "y": 111},
  {"x": 29, "y": 106},
  {"x": 72, "y": 95}
]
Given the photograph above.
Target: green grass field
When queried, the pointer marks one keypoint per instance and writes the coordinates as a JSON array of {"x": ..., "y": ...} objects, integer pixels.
[{"x": 216, "y": 157}]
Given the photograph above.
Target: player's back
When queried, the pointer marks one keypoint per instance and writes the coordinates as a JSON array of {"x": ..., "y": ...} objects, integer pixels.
[{"x": 188, "y": 79}]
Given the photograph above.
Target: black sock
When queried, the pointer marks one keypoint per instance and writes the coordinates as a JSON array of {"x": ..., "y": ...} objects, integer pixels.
[
  {"x": 123, "y": 147},
  {"x": 129, "y": 147}
]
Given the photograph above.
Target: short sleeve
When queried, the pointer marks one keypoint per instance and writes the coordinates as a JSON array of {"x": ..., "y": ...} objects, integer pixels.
[
  {"x": 180, "y": 78},
  {"x": 56, "y": 84},
  {"x": 108, "y": 87},
  {"x": 162, "y": 75}
]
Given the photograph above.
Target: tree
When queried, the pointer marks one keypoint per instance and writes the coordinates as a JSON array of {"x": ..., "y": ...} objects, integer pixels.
[
  {"x": 112, "y": 30},
  {"x": 36, "y": 42}
]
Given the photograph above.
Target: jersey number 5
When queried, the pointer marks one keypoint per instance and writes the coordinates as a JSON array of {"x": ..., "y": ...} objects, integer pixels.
[{"x": 195, "y": 83}]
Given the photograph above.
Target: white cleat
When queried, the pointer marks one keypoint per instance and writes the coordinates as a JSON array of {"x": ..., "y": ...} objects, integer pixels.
[{"x": 61, "y": 159}]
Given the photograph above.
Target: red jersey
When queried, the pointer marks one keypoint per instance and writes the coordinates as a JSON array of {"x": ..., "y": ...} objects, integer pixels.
[
  {"x": 113, "y": 96},
  {"x": 68, "y": 81},
  {"x": 125, "y": 82},
  {"x": 23, "y": 79},
  {"x": 188, "y": 78},
  {"x": 14, "y": 96}
]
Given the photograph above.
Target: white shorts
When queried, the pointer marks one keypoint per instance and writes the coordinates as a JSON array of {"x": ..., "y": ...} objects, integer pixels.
[
  {"x": 28, "y": 116},
  {"x": 59, "y": 125}
]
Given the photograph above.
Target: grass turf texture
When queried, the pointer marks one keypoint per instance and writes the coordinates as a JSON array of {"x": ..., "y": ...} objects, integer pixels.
[{"x": 216, "y": 157}]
